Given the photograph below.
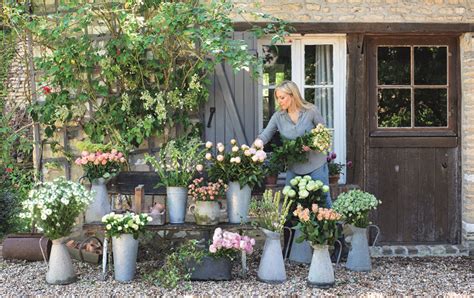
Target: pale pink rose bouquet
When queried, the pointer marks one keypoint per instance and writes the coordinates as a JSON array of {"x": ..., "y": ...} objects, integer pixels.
[
  {"x": 199, "y": 190},
  {"x": 228, "y": 244},
  {"x": 317, "y": 225},
  {"x": 101, "y": 164},
  {"x": 242, "y": 163}
]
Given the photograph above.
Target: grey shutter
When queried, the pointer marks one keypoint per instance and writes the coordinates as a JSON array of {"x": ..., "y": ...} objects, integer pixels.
[{"x": 233, "y": 96}]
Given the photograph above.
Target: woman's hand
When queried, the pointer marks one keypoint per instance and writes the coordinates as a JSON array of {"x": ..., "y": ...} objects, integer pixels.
[{"x": 306, "y": 148}]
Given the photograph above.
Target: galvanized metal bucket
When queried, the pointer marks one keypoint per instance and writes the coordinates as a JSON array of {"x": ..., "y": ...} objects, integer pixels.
[
  {"x": 272, "y": 266},
  {"x": 300, "y": 253},
  {"x": 100, "y": 206},
  {"x": 238, "y": 202},
  {"x": 359, "y": 255},
  {"x": 176, "y": 200},
  {"x": 321, "y": 272},
  {"x": 125, "y": 250},
  {"x": 60, "y": 269}
]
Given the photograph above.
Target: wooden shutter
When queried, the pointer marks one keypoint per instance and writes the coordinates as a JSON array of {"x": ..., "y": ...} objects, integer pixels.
[{"x": 232, "y": 109}]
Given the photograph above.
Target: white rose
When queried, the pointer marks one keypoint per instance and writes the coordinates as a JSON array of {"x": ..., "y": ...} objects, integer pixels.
[
  {"x": 208, "y": 156},
  {"x": 233, "y": 141},
  {"x": 208, "y": 145},
  {"x": 237, "y": 159},
  {"x": 119, "y": 228},
  {"x": 255, "y": 158},
  {"x": 235, "y": 149},
  {"x": 258, "y": 143},
  {"x": 220, "y": 157},
  {"x": 108, "y": 227},
  {"x": 221, "y": 148}
]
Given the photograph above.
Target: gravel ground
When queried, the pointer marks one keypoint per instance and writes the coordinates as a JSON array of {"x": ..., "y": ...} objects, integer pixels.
[{"x": 390, "y": 276}]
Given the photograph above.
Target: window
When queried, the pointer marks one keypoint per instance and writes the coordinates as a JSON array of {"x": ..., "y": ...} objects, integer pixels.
[
  {"x": 317, "y": 64},
  {"x": 412, "y": 86}
]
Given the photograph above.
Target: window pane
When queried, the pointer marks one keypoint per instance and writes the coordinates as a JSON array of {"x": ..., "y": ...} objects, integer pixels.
[
  {"x": 393, "y": 65},
  {"x": 277, "y": 64},
  {"x": 431, "y": 65},
  {"x": 323, "y": 98},
  {"x": 394, "y": 108},
  {"x": 431, "y": 107},
  {"x": 268, "y": 105},
  {"x": 318, "y": 64}
]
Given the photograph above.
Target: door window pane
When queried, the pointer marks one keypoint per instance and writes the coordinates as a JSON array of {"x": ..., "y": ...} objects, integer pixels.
[
  {"x": 323, "y": 98},
  {"x": 431, "y": 106},
  {"x": 268, "y": 105},
  {"x": 431, "y": 65},
  {"x": 393, "y": 65},
  {"x": 277, "y": 64},
  {"x": 318, "y": 64},
  {"x": 394, "y": 108}
]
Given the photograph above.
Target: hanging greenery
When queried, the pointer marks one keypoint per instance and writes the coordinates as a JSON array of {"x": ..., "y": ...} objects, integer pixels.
[{"x": 127, "y": 71}]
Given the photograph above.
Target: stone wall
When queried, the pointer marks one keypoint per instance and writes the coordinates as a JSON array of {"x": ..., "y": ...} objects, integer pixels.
[
  {"x": 467, "y": 135},
  {"x": 416, "y": 11}
]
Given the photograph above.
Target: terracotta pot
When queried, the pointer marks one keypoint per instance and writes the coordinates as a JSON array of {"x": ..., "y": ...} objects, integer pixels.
[
  {"x": 334, "y": 179},
  {"x": 271, "y": 180}
]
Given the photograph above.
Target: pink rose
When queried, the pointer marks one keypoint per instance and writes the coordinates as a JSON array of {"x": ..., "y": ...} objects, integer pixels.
[
  {"x": 258, "y": 143},
  {"x": 212, "y": 249}
]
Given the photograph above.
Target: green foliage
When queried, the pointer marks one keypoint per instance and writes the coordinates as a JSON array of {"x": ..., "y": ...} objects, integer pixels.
[
  {"x": 177, "y": 161},
  {"x": 355, "y": 206},
  {"x": 148, "y": 72},
  {"x": 175, "y": 269},
  {"x": 270, "y": 213},
  {"x": 9, "y": 207}
]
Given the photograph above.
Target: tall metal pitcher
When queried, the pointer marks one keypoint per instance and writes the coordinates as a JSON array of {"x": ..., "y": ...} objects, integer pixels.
[{"x": 272, "y": 264}]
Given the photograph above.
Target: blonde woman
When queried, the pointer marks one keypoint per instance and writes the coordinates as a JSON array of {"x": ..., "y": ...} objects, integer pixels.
[{"x": 296, "y": 117}]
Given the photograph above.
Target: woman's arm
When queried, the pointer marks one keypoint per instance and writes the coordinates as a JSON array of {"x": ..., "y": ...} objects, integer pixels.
[
  {"x": 317, "y": 117},
  {"x": 269, "y": 131}
]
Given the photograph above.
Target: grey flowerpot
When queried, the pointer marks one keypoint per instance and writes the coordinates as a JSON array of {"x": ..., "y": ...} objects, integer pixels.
[{"x": 211, "y": 269}]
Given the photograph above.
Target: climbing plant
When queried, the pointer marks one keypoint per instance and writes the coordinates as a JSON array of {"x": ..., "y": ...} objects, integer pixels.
[{"x": 126, "y": 71}]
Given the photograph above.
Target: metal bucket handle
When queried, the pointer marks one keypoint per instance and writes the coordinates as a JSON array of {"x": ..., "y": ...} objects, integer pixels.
[
  {"x": 81, "y": 246},
  {"x": 340, "y": 251},
  {"x": 288, "y": 244},
  {"x": 377, "y": 235},
  {"x": 42, "y": 251},
  {"x": 81, "y": 178}
]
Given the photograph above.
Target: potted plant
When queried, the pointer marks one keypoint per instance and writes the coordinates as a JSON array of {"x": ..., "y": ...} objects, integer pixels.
[
  {"x": 318, "y": 226},
  {"x": 177, "y": 163},
  {"x": 354, "y": 206},
  {"x": 305, "y": 191},
  {"x": 206, "y": 208},
  {"x": 270, "y": 216},
  {"x": 273, "y": 166},
  {"x": 124, "y": 230},
  {"x": 99, "y": 167},
  {"x": 242, "y": 169},
  {"x": 54, "y": 207},
  {"x": 335, "y": 168},
  {"x": 216, "y": 264}
]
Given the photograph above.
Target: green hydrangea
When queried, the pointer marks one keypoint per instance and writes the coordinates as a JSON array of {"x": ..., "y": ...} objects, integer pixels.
[{"x": 355, "y": 206}]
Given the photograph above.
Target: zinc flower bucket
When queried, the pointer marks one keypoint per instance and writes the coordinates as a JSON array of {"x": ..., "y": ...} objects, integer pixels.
[
  {"x": 321, "y": 272},
  {"x": 125, "y": 250},
  {"x": 238, "y": 202},
  {"x": 272, "y": 266},
  {"x": 176, "y": 201},
  {"x": 100, "y": 206}
]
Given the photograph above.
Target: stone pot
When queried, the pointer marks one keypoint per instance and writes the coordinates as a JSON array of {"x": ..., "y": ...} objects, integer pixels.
[
  {"x": 238, "y": 202},
  {"x": 176, "y": 200},
  {"x": 206, "y": 213},
  {"x": 60, "y": 269}
]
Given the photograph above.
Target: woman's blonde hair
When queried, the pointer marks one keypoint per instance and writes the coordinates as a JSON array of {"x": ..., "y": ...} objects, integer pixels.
[{"x": 290, "y": 88}]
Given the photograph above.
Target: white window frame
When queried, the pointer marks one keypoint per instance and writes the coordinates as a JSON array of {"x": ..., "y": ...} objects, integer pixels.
[{"x": 338, "y": 41}]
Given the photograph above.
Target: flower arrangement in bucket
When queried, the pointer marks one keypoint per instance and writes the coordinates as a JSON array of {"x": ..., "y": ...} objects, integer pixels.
[
  {"x": 99, "y": 168},
  {"x": 355, "y": 206},
  {"x": 242, "y": 168},
  {"x": 176, "y": 165},
  {"x": 206, "y": 208},
  {"x": 124, "y": 230},
  {"x": 270, "y": 215},
  {"x": 54, "y": 207},
  {"x": 318, "y": 226}
]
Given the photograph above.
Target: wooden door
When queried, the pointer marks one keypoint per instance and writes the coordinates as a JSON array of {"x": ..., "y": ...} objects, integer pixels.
[
  {"x": 232, "y": 109},
  {"x": 412, "y": 141}
]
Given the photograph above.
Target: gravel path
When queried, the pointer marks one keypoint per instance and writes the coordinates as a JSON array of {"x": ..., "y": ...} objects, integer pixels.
[{"x": 390, "y": 276}]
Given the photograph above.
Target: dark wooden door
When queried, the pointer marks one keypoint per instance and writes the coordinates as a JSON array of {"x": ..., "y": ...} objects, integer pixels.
[{"x": 412, "y": 141}]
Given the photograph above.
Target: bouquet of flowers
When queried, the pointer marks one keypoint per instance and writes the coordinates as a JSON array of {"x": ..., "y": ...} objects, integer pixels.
[
  {"x": 128, "y": 223},
  {"x": 355, "y": 206},
  {"x": 243, "y": 164},
  {"x": 54, "y": 206},
  {"x": 306, "y": 191},
  {"x": 317, "y": 225},
  {"x": 178, "y": 161},
  {"x": 228, "y": 244},
  {"x": 318, "y": 139},
  {"x": 211, "y": 191},
  {"x": 101, "y": 164},
  {"x": 269, "y": 213}
]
